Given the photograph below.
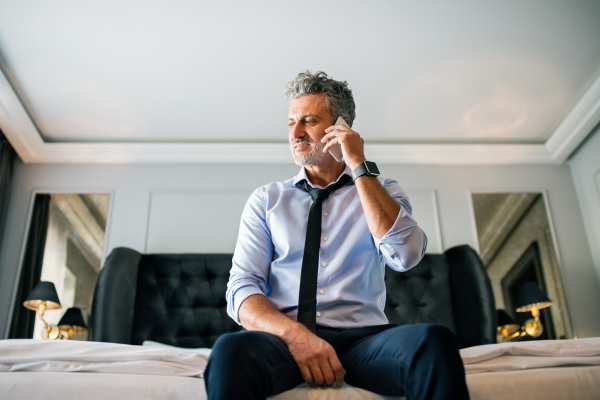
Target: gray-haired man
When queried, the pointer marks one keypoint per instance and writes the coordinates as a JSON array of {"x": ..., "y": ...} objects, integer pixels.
[{"x": 366, "y": 223}]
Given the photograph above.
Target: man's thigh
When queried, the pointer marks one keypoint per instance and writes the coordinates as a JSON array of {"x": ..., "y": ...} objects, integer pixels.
[
  {"x": 402, "y": 360},
  {"x": 251, "y": 362}
]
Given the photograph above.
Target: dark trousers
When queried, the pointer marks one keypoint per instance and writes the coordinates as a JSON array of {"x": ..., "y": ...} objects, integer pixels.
[{"x": 417, "y": 361}]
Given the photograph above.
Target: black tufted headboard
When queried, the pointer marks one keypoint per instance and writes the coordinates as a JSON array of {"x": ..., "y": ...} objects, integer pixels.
[
  {"x": 451, "y": 289},
  {"x": 176, "y": 299},
  {"x": 179, "y": 299}
]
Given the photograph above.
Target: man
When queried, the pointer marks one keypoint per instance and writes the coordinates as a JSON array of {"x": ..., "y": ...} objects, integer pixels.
[{"x": 307, "y": 281}]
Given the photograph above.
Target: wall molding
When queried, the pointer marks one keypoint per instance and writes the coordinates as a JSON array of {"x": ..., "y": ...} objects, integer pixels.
[
  {"x": 435, "y": 234},
  {"x": 28, "y": 143},
  {"x": 580, "y": 121}
]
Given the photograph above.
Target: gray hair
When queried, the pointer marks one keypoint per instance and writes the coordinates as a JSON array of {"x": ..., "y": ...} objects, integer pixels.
[{"x": 339, "y": 97}]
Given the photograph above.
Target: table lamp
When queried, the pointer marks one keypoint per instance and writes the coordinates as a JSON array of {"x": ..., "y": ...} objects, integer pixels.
[
  {"x": 531, "y": 298},
  {"x": 72, "y": 322},
  {"x": 507, "y": 327},
  {"x": 44, "y": 297}
]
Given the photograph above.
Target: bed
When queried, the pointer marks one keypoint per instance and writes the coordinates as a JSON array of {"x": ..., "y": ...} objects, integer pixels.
[
  {"x": 567, "y": 369},
  {"x": 179, "y": 300}
]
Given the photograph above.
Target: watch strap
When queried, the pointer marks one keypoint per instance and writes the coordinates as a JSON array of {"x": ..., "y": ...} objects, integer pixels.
[{"x": 363, "y": 169}]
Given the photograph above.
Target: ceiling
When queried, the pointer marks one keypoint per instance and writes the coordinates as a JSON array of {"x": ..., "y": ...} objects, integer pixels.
[{"x": 189, "y": 81}]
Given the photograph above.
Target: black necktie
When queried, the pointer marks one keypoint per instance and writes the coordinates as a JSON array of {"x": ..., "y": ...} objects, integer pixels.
[{"x": 307, "y": 300}]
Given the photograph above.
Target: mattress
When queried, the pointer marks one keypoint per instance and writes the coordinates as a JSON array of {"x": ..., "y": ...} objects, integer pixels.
[
  {"x": 67, "y": 369},
  {"x": 582, "y": 383}
]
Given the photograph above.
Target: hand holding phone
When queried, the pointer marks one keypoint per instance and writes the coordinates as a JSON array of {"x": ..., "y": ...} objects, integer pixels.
[{"x": 336, "y": 150}]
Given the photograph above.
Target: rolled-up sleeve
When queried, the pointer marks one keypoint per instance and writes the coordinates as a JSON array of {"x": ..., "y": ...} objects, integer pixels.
[
  {"x": 252, "y": 257},
  {"x": 404, "y": 245}
]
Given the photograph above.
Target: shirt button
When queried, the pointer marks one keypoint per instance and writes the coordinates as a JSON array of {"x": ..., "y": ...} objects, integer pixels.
[
  {"x": 324, "y": 264},
  {"x": 321, "y": 291},
  {"x": 325, "y": 214},
  {"x": 318, "y": 314},
  {"x": 325, "y": 238}
]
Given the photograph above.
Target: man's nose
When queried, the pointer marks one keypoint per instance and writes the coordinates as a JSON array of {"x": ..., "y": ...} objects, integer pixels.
[{"x": 296, "y": 132}]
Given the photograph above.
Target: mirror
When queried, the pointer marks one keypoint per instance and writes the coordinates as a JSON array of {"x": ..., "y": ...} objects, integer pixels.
[
  {"x": 516, "y": 246},
  {"x": 74, "y": 244}
]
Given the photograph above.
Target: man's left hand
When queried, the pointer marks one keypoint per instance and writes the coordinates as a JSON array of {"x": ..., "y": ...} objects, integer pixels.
[{"x": 353, "y": 146}]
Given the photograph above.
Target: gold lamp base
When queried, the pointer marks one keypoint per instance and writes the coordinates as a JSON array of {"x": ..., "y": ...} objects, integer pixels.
[
  {"x": 533, "y": 327},
  {"x": 50, "y": 332}
]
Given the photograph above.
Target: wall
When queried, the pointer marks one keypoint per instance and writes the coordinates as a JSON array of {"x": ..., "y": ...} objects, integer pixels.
[
  {"x": 197, "y": 208},
  {"x": 585, "y": 167}
]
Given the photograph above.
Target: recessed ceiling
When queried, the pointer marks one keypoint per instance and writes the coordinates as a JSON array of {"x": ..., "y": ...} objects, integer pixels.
[{"x": 432, "y": 72}]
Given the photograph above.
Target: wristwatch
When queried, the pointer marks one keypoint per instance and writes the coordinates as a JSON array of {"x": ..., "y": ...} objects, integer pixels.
[{"x": 366, "y": 168}]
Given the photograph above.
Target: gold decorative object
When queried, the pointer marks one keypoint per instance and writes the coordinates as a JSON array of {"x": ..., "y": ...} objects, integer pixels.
[
  {"x": 531, "y": 298},
  {"x": 44, "y": 297}
]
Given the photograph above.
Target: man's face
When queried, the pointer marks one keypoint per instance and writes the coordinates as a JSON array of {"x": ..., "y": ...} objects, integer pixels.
[{"x": 308, "y": 118}]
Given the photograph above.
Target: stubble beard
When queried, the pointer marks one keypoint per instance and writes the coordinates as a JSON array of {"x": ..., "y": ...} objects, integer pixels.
[{"x": 314, "y": 157}]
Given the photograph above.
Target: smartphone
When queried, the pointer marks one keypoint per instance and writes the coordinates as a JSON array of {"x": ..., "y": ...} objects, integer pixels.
[{"x": 336, "y": 150}]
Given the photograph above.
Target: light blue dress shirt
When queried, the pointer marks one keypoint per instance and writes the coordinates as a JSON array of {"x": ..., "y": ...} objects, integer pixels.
[{"x": 350, "y": 288}]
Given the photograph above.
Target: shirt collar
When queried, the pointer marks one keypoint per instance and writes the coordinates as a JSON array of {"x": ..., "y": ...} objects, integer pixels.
[{"x": 302, "y": 176}]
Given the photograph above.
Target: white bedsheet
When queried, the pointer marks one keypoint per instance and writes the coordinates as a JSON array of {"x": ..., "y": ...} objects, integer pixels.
[
  {"x": 156, "y": 359},
  {"x": 76, "y": 356},
  {"x": 491, "y": 370},
  {"x": 531, "y": 355}
]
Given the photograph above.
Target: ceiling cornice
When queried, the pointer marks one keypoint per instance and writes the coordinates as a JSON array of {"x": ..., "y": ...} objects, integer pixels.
[
  {"x": 28, "y": 143},
  {"x": 577, "y": 125}
]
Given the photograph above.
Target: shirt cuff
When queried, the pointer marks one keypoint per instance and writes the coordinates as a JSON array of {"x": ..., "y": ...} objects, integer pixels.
[
  {"x": 403, "y": 245},
  {"x": 238, "y": 298},
  {"x": 399, "y": 230}
]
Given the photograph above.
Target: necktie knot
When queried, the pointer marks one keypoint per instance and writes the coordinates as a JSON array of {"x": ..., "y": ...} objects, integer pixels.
[
  {"x": 317, "y": 194},
  {"x": 321, "y": 194}
]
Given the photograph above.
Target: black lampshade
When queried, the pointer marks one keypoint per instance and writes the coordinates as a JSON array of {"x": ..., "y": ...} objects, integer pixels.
[
  {"x": 531, "y": 295},
  {"x": 504, "y": 318},
  {"x": 43, "y": 291},
  {"x": 72, "y": 319}
]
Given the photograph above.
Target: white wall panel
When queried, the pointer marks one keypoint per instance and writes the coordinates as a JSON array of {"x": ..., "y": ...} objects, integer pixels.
[
  {"x": 208, "y": 222},
  {"x": 194, "y": 222},
  {"x": 424, "y": 205}
]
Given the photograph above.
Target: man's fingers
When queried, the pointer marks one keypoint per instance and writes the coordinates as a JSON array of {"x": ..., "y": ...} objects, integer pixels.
[
  {"x": 330, "y": 144},
  {"x": 317, "y": 375},
  {"x": 330, "y": 136},
  {"x": 336, "y": 127},
  {"x": 328, "y": 373},
  {"x": 306, "y": 375},
  {"x": 338, "y": 370}
]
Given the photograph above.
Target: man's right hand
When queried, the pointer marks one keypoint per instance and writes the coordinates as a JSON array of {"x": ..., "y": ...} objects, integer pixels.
[{"x": 316, "y": 359}]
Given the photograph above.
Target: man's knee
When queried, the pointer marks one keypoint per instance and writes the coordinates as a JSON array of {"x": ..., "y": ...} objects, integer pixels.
[
  {"x": 239, "y": 346},
  {"x": 440, "y": 334},
  {"x": 238, "y": 355},
  {"x": 422, "y": 339}
]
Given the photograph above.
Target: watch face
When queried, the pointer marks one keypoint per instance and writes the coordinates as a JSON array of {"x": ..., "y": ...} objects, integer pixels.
[{"x": 372, "y": 168}]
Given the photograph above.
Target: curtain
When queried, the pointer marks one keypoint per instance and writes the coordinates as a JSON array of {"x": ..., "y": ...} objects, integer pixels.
[
  {"x": 7, "y": 158},
  {"x": 23, "y": 319}
]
